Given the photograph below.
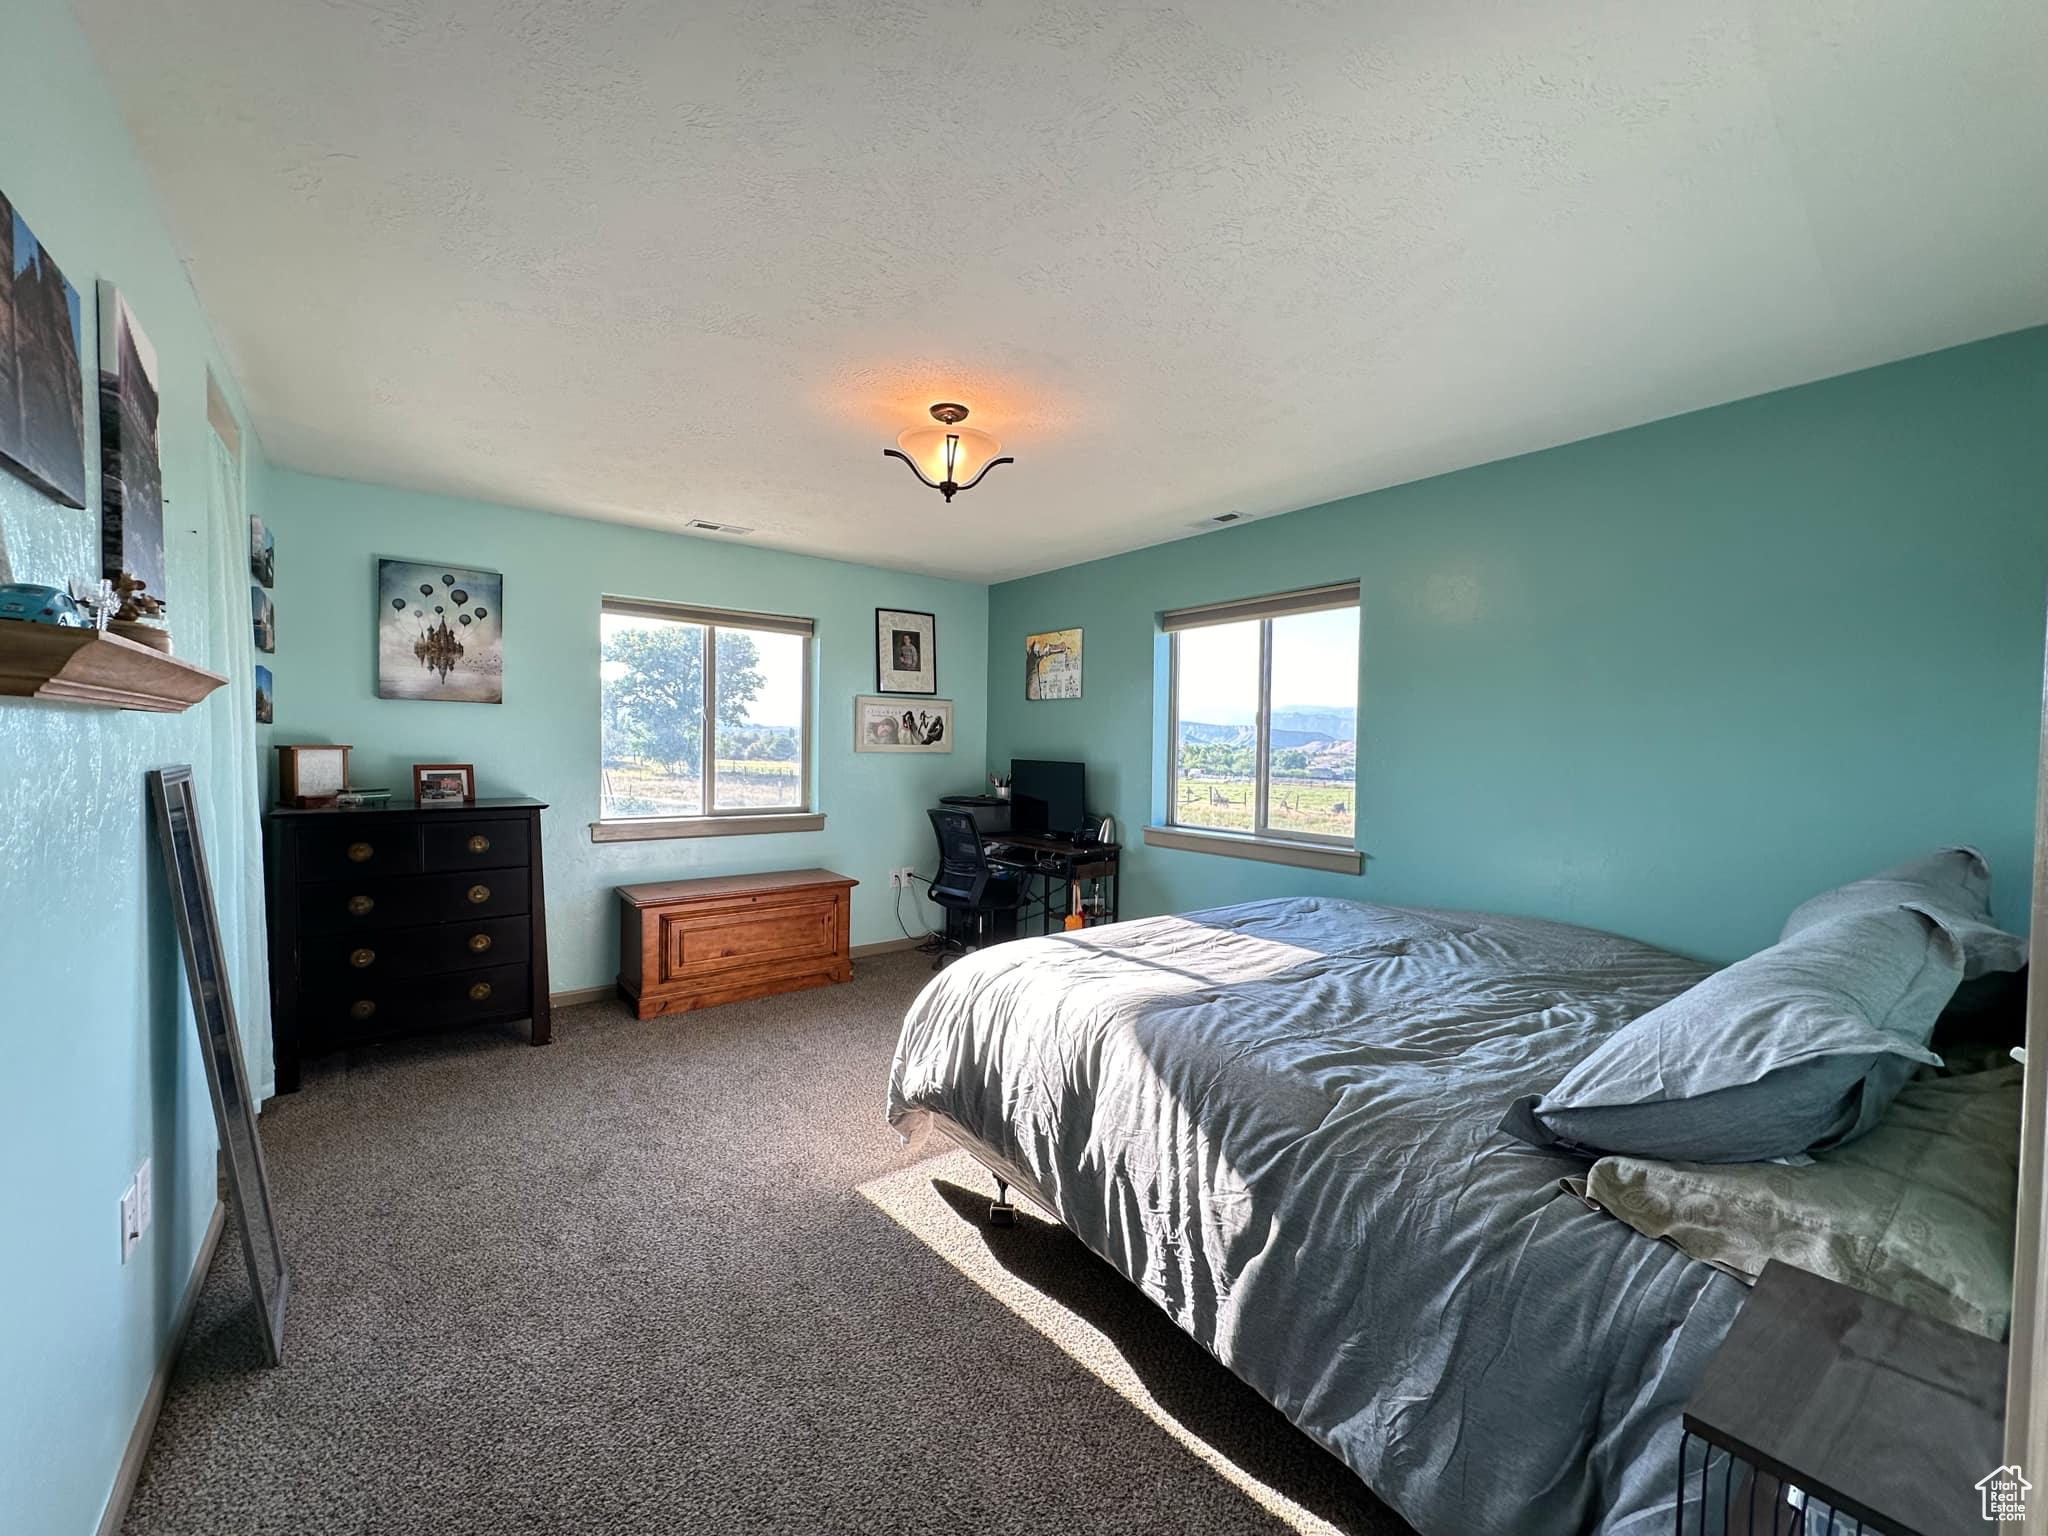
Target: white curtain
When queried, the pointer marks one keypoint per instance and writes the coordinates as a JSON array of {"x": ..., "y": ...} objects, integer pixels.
[{"x": 234, "y": 828}]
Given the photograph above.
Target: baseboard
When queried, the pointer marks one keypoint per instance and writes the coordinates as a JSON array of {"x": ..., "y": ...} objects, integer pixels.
[
  {"x": 885, "y": 947},
  {"x": 130, "y": 1471},
  {"x": 583, "y": 995}
]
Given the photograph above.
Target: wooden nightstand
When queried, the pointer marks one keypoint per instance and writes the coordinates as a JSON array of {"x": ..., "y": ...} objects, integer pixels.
[{"x": 1890, "y": 1417}]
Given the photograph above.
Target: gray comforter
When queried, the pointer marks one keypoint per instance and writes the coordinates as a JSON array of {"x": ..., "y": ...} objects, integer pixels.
[{"x": 1279, "y": 1120}]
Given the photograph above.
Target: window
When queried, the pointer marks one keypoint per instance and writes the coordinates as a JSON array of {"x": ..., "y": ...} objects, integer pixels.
[
  {"x": 1265, "y": 717},
  {"x": 705, "y": 718}
]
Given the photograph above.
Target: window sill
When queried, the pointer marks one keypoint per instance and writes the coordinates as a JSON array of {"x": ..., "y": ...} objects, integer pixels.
[
  {"x": 641, "y": 829},
  {"x": 1267, "y": 850}
]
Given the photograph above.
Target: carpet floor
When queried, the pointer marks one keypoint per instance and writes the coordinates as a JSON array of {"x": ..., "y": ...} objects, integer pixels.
[{"x": 679, "y": 1276}]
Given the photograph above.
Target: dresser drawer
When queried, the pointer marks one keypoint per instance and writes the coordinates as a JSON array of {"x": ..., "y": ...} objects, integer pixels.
[
  {"x": 359, "y": 852},
  {"x": 363, "y": 906},
  {"x": 371, "y": 1007},
  {"x": 472, "y": 844},
  {"x": 384, "y": 953}
]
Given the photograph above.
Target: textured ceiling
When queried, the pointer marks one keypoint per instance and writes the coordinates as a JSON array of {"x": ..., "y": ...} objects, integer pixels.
[{"x": 650, "y": 261}]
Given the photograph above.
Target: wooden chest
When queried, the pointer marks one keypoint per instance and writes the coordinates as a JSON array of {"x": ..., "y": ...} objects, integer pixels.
[
  {"x": 693, "y": 943},
  {"x": 397, "y": 920}
]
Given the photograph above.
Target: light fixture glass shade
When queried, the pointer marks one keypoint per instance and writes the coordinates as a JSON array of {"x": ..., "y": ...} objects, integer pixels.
[{"x": 928, "y": 450}]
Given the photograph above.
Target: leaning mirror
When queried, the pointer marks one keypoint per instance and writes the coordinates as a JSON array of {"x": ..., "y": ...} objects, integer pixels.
[{"x": 177, "y": 825}]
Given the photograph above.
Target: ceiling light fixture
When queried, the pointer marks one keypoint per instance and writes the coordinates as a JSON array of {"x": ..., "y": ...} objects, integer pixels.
[{"x": 948, "y": 457}]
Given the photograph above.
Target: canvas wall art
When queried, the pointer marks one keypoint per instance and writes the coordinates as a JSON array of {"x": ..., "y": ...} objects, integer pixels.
[
  {"x": 440, "y": 633},
  {"x": 42, "y": 334},
  {"x": 890, "y": 725},
  {"x": 264, "y": 614},
  {"x": 266, "y": 696},
  {"x": 131, "y": 474},
  {"x": 1052, "y": 665},
  {"x": 262, "y": 553}
]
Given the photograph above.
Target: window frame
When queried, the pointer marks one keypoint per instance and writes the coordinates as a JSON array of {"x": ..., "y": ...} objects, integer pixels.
[
  {"x": 711, "y": 821},
  {"x": 1265, "y": 610}
]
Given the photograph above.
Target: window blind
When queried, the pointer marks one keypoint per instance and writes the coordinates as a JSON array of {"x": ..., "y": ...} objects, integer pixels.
[
  {"x": 1309, "y": 600},
  {"x": 728, "y": 618}
]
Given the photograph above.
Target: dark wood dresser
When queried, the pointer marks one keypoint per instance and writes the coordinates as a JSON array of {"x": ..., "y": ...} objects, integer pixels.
[{"x": 394, "y": 921}]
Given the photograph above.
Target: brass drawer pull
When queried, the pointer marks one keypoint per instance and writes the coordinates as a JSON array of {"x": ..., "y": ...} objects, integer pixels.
[
  {"x": 362, "y": 1008},
  {"x": 479, "y": 894},
  {"x": 479, "y": 991},
  {"x": 362, "y": 959},
  {"x": 479, "y": 942},
  {"x": 359, "y": 852},
  {"x": 359, "y": 906},
  {"x": 479, "y": 844}
]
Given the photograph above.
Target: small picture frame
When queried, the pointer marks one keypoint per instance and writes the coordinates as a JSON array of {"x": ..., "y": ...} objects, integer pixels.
[
  {"x": 906, "y": 652},
  {"x": 310, "y": 775},
  {"x": 443, "y": 784},
  {"x": 888, "y": 725}
]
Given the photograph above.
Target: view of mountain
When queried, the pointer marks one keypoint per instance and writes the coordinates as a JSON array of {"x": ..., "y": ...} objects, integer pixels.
[{"x": 1295, "y": 725}]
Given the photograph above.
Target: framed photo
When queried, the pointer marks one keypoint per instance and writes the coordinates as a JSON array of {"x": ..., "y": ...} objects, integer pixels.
[
  {"x": 262, "y": 553},
  {"x": 1052, "y": 665},
  {"x": 443, "y": 784},
  {"x": 440, "y": 633},
  {"x": 906, "y": 652},
  {"x": 266, "y": 696},
  {"x": 889, "y": 725},
  {"x": 42, "y": 406},
  {"x": 131, "y": 477},
  {"x": 263, "y": 613}
]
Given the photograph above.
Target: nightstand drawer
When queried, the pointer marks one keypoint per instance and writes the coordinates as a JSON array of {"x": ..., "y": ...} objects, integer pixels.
[
  {"x": 471, "y": 844},
  {"x": 340, "y": 959},
  {"x": 370, "y": 1008},
  {"x": 348, "y": 906}
]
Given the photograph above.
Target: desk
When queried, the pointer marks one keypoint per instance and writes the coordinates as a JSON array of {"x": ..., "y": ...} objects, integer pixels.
[{"x": 1057, "y": 865}]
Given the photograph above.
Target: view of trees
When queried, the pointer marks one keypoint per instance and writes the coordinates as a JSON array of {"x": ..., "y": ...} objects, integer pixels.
[
  {"x": 654, "y": 707},
  {"x": 1233, "y": 759}
]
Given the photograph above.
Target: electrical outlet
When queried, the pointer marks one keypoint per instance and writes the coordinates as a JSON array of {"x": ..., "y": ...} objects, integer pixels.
[
  {"x": 145, "y": 1199},
  {"x": 131, "y": 1234},
  {"x": 907, "y": 876}
]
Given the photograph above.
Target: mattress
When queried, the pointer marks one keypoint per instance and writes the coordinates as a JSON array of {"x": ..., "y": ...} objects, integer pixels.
[{"x": 1279, "y": 1120}]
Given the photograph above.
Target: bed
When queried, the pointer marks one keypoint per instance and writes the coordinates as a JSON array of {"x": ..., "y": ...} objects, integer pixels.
[{"x": 1280, "y": 1120}]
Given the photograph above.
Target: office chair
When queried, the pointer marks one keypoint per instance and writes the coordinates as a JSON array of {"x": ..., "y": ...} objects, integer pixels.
[{"x": 970, "y": 890}]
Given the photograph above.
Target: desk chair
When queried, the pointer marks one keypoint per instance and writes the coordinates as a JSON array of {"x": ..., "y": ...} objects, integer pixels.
[{"x": 970, "y": 890}]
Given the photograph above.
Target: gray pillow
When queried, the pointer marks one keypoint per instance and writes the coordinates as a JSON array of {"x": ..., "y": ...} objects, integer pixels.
[
  {"x": 1954, "y": 884},
  {"x": 1799, "y": 1046}
]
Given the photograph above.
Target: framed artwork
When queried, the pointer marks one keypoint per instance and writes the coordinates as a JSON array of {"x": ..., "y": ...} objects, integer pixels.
[
  {"x": 443, "y": 784},
  {"x": 265, "y": 696},
  {"x": 42, "y": 334},
  {"x": 263, "y": 612},
  {"x": 440, "y": 633},
  {"x": 262, "y": 554},
  {"x": 131, "y": 476},
  {"x": 888, "y": 725},
  {"x": 1052, "y": 665},
  {"x": 906, "y": 652}
]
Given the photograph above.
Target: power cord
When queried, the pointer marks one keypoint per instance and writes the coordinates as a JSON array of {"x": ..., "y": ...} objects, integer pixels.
[{"x": 933, "y": 943}]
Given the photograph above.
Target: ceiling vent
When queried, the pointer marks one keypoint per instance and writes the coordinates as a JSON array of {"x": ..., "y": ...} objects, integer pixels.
[
  {"x": 1219, "y": 520},
  {"x": 700, "y": 525}
]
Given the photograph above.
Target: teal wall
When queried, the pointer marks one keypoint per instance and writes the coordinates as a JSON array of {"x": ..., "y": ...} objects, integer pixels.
[
  {"x": 1668, "y": 682},
  {"x": 543, "y": 740},
  {"x": 101, "y": 1062}
]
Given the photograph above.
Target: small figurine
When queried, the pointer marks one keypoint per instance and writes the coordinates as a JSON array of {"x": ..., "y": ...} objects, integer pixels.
[
  {"x": 136, "y": 603},
  {"x": 96, "y": 601},
  {"x": 40, "y": 605}
]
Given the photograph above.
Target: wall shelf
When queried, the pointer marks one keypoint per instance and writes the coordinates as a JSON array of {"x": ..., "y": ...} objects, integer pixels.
[{"x": 84, "y": 666}]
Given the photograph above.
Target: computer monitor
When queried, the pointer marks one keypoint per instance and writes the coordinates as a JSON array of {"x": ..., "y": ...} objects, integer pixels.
[{"x": 1048, "y": 797}]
